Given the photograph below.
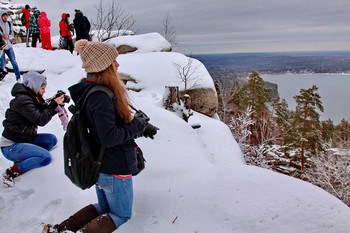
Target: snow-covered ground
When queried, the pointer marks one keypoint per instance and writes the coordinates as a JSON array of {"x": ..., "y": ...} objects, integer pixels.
[{"x": 195, "y": 179}]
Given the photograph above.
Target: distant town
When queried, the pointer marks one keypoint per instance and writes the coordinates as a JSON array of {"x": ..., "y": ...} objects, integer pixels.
[{"x": 229, "y": 67}]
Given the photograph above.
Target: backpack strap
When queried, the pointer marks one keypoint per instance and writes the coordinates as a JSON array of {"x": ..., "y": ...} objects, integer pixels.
[
  {"x": 101, "y": 88},
  {"x": 97, "y": 88},
  {"x": 10, "y": 32}
]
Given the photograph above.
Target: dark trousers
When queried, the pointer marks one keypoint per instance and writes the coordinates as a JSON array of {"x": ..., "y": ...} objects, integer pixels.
[
  {"x": 69, "y": 44},
  {"x": 35, "y": 38}
]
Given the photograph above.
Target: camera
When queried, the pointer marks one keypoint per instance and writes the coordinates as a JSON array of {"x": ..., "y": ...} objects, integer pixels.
[{"x": 66, "y": 98}]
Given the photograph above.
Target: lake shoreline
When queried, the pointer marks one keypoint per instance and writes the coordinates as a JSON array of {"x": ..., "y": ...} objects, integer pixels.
[{"x": 333, "y": 89}]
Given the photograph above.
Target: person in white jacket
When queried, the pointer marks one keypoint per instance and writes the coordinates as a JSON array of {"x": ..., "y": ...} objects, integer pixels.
[{"x": 7, "y": 34}]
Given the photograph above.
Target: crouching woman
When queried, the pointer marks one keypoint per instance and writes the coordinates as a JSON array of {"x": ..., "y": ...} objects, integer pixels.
[{"x": 20, "y": 141}]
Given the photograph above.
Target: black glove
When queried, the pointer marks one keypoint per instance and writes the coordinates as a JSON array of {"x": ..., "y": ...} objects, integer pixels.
[
  {"x": 150, "y": 130},
  {"x": 143, "y": 120}
]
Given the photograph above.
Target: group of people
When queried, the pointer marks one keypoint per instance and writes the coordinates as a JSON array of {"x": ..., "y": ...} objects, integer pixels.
[
  {"x": 81, "y": 25},
  {"x": 111, "y": 123},
  {"x": 38, "y": 26}
]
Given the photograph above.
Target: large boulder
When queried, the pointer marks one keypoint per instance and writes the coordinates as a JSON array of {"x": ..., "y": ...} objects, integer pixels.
[
  {"x": 203, "y": 100},
  {"x": 123, "y": 49},
  {"x": 144, "y": 43}
]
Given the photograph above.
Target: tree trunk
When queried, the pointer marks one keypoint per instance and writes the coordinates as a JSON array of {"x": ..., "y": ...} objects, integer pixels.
[
  {"x": 187, "y": 105},
  {"x": 170, "y": 97}
]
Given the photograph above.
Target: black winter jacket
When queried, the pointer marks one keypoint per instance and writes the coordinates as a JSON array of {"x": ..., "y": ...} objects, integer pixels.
[
  {"x": 81, "y": 26},
  {"x": 27, "y": 111},
  {"x": 109, "y": 130}
]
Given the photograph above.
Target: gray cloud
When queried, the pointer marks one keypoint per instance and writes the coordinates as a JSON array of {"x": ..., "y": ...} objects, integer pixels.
[{"x": 204, "y": 26}]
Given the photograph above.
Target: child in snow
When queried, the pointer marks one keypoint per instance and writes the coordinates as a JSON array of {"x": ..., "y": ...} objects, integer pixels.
[
  {"x": 20, "y": 142},
  {"x": 44, "y": 25}
]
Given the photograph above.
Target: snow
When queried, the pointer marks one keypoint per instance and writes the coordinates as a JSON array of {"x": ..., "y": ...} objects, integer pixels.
[
  {"x": 195, "y": 179},
  {"x": 150, "y": 42}
]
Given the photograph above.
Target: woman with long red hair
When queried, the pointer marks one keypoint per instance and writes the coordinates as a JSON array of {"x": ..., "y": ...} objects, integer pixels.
[{"x": 113, "y": 126}]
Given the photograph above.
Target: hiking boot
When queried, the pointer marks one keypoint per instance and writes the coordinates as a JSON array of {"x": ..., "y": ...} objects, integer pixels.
[
  {"x": 8, "y": 178},
  {"x": 101, "y": 224},
  {"x": 74, "y": 222}
]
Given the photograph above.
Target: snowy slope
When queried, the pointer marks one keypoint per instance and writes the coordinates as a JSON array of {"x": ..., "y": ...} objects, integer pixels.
[{"x": 195, "y": 179}]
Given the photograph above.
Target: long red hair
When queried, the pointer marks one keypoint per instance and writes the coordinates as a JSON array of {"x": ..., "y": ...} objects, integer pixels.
[{"x": 109, "y": 78}]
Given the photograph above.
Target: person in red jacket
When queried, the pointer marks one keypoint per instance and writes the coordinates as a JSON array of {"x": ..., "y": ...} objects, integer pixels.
[
  {"x": 44, "y": 25},
  {"x": 65, "y": 31},
  {"x": 26, "y": 12}
]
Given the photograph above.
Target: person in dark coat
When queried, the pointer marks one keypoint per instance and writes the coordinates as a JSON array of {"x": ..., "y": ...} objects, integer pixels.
[
  {"x": 20, "y": 141},
  {"x": 34, "y": 27},
  {"x": 112, "y": 125},
  {"x": 81, "y": 25}
]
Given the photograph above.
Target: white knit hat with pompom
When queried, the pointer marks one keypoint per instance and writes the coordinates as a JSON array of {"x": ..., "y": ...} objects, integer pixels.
[{"x": 96, "y": 56}]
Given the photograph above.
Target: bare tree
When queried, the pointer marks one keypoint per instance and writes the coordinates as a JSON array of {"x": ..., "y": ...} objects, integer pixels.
[
  {"x": 332, "y": 173},
  {"x": 169, "y": 29},
  {"x": 226, "y": 92},
  {"x": 112, "y": 21},
  {"x": 187, "y": 73},
  {"x": 240, "y": 127}
]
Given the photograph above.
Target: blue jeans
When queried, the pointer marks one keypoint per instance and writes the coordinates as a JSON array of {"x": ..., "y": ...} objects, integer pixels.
[
  {"x": 31, "y": 155},
  {"x": 11, "y": 55},
  {"x": 115, "y": 198}
]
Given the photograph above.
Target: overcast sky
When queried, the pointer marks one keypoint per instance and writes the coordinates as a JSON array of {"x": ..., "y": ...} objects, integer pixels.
[{"x": 230, "y": 26}]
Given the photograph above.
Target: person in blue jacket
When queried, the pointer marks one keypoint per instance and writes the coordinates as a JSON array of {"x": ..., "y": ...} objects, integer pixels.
[{"x": 112, "y": 125}]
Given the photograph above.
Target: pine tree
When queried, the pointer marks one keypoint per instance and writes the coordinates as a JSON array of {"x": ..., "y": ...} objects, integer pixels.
[
  {"x": 306, "y": 123},
  {"x": 254, "y": 94},
  {"x": 342, "y": 134},
  {"x": 327, "y": 131},
  {"x": 282, "y": 116}
]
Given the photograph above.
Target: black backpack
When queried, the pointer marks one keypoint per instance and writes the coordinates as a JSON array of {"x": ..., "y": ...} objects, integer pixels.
[
  {"x": 23, "y": 19},
  {"x": 79, "y": 163}
]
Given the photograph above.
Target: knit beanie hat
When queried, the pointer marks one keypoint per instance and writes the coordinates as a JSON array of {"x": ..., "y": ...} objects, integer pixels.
[
  {"x": 34, "y": 80},
  {"x": 96, "y": 56}
]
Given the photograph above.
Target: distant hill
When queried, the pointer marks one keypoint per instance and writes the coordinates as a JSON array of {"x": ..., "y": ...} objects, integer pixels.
[{"x": 228, "y": 67}]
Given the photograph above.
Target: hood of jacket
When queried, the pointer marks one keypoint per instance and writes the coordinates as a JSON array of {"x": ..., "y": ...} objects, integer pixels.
[
  {"x": 43, "y": 15},
  {"x": 64, "y": 16},
  {"x": 78, "y": 91},
  {"x": 19, "y": 89},
  {"x": 3, "y": 12},
  {"x": 36, "y": 13},
  {"x": 78, "y": 15},
  {"x": 34, "y": 80}
]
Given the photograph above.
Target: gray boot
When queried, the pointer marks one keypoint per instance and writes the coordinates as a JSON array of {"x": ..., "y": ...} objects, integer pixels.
[{"x": 101, "y": 224}]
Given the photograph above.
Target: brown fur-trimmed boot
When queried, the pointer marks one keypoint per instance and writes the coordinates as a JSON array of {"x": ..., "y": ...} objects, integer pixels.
[
  {"x": 101, "y": 224},
  {"x": 74, "y": 222}
]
